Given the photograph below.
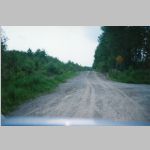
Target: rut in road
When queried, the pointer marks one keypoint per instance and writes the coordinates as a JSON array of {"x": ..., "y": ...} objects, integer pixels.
[{"x": 87, "y": 96}]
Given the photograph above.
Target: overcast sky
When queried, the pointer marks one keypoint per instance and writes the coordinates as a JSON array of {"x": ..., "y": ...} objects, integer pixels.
[{"x": 75, "y": 43}]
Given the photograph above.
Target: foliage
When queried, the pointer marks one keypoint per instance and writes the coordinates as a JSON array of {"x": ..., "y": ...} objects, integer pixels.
[
  {"x": 131, "y": 76},
  {"x": 121, "y": 48},
  {"x": 27, "y": 74}
]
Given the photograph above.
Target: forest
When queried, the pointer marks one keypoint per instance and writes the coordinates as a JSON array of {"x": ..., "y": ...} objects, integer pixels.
[
  {"x": 123, "y": 53},
  {"x": 25, "y": 75}
]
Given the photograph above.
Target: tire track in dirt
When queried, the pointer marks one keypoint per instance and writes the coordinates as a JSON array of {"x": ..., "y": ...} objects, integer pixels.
[
  {"x": 119, "y": 106},
  {"x": 87, "y": 96}
]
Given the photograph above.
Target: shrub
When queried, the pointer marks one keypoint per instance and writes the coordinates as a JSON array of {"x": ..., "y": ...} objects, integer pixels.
[{"x": 131, "y": 76}]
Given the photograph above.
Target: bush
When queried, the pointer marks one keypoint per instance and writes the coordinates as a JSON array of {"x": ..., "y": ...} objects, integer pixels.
[
  {"x": 26, "y": 75},
  {"x": 131, "y": 76},
  {"x": 28, "y": 87}
]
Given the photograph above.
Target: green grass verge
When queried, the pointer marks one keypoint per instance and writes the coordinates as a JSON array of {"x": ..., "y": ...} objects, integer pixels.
[
  {"x": 22, "y": 89},
  {"x": 131, "y": 76}
]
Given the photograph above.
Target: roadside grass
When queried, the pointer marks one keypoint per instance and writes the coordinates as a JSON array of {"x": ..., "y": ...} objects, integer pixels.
[
  {"x": 28, "y": 87},
  {"x": 130, "y": 76}
]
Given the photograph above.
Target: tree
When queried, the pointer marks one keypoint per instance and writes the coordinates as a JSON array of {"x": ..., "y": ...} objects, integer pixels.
[
  {"x": 29, "y": 52},
  {"x": 129, "y": 45},
  {"x": 3, "y": 40}
]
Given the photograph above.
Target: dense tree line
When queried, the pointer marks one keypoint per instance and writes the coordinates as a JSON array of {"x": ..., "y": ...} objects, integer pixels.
[
  {"x": 16, "y": 64},
  {"x": 123, "y": 48},
  {"x": 26, "y": 74}
]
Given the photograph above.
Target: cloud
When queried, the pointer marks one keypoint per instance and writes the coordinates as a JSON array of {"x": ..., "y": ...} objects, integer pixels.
[{"x": 75, "y": 43}]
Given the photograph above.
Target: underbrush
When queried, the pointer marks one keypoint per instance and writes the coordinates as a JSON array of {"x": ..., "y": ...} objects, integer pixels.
[
  {"x": 27, "y": 87},
  {"x": 131, "y": 76}
]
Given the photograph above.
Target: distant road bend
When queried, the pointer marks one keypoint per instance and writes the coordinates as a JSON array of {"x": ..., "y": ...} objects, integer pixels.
[{"x": 90, "y": 95}]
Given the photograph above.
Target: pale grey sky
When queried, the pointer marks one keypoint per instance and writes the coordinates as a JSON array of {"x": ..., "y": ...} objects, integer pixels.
[{"x": 75, "y": 43}]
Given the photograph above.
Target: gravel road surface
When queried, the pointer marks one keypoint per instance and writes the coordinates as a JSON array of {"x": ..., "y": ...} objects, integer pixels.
[{"x": 91, "y": 95}]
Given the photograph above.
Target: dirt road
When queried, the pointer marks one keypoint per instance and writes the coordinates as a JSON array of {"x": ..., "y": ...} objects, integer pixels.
[{"x": 90, "y": 95}]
